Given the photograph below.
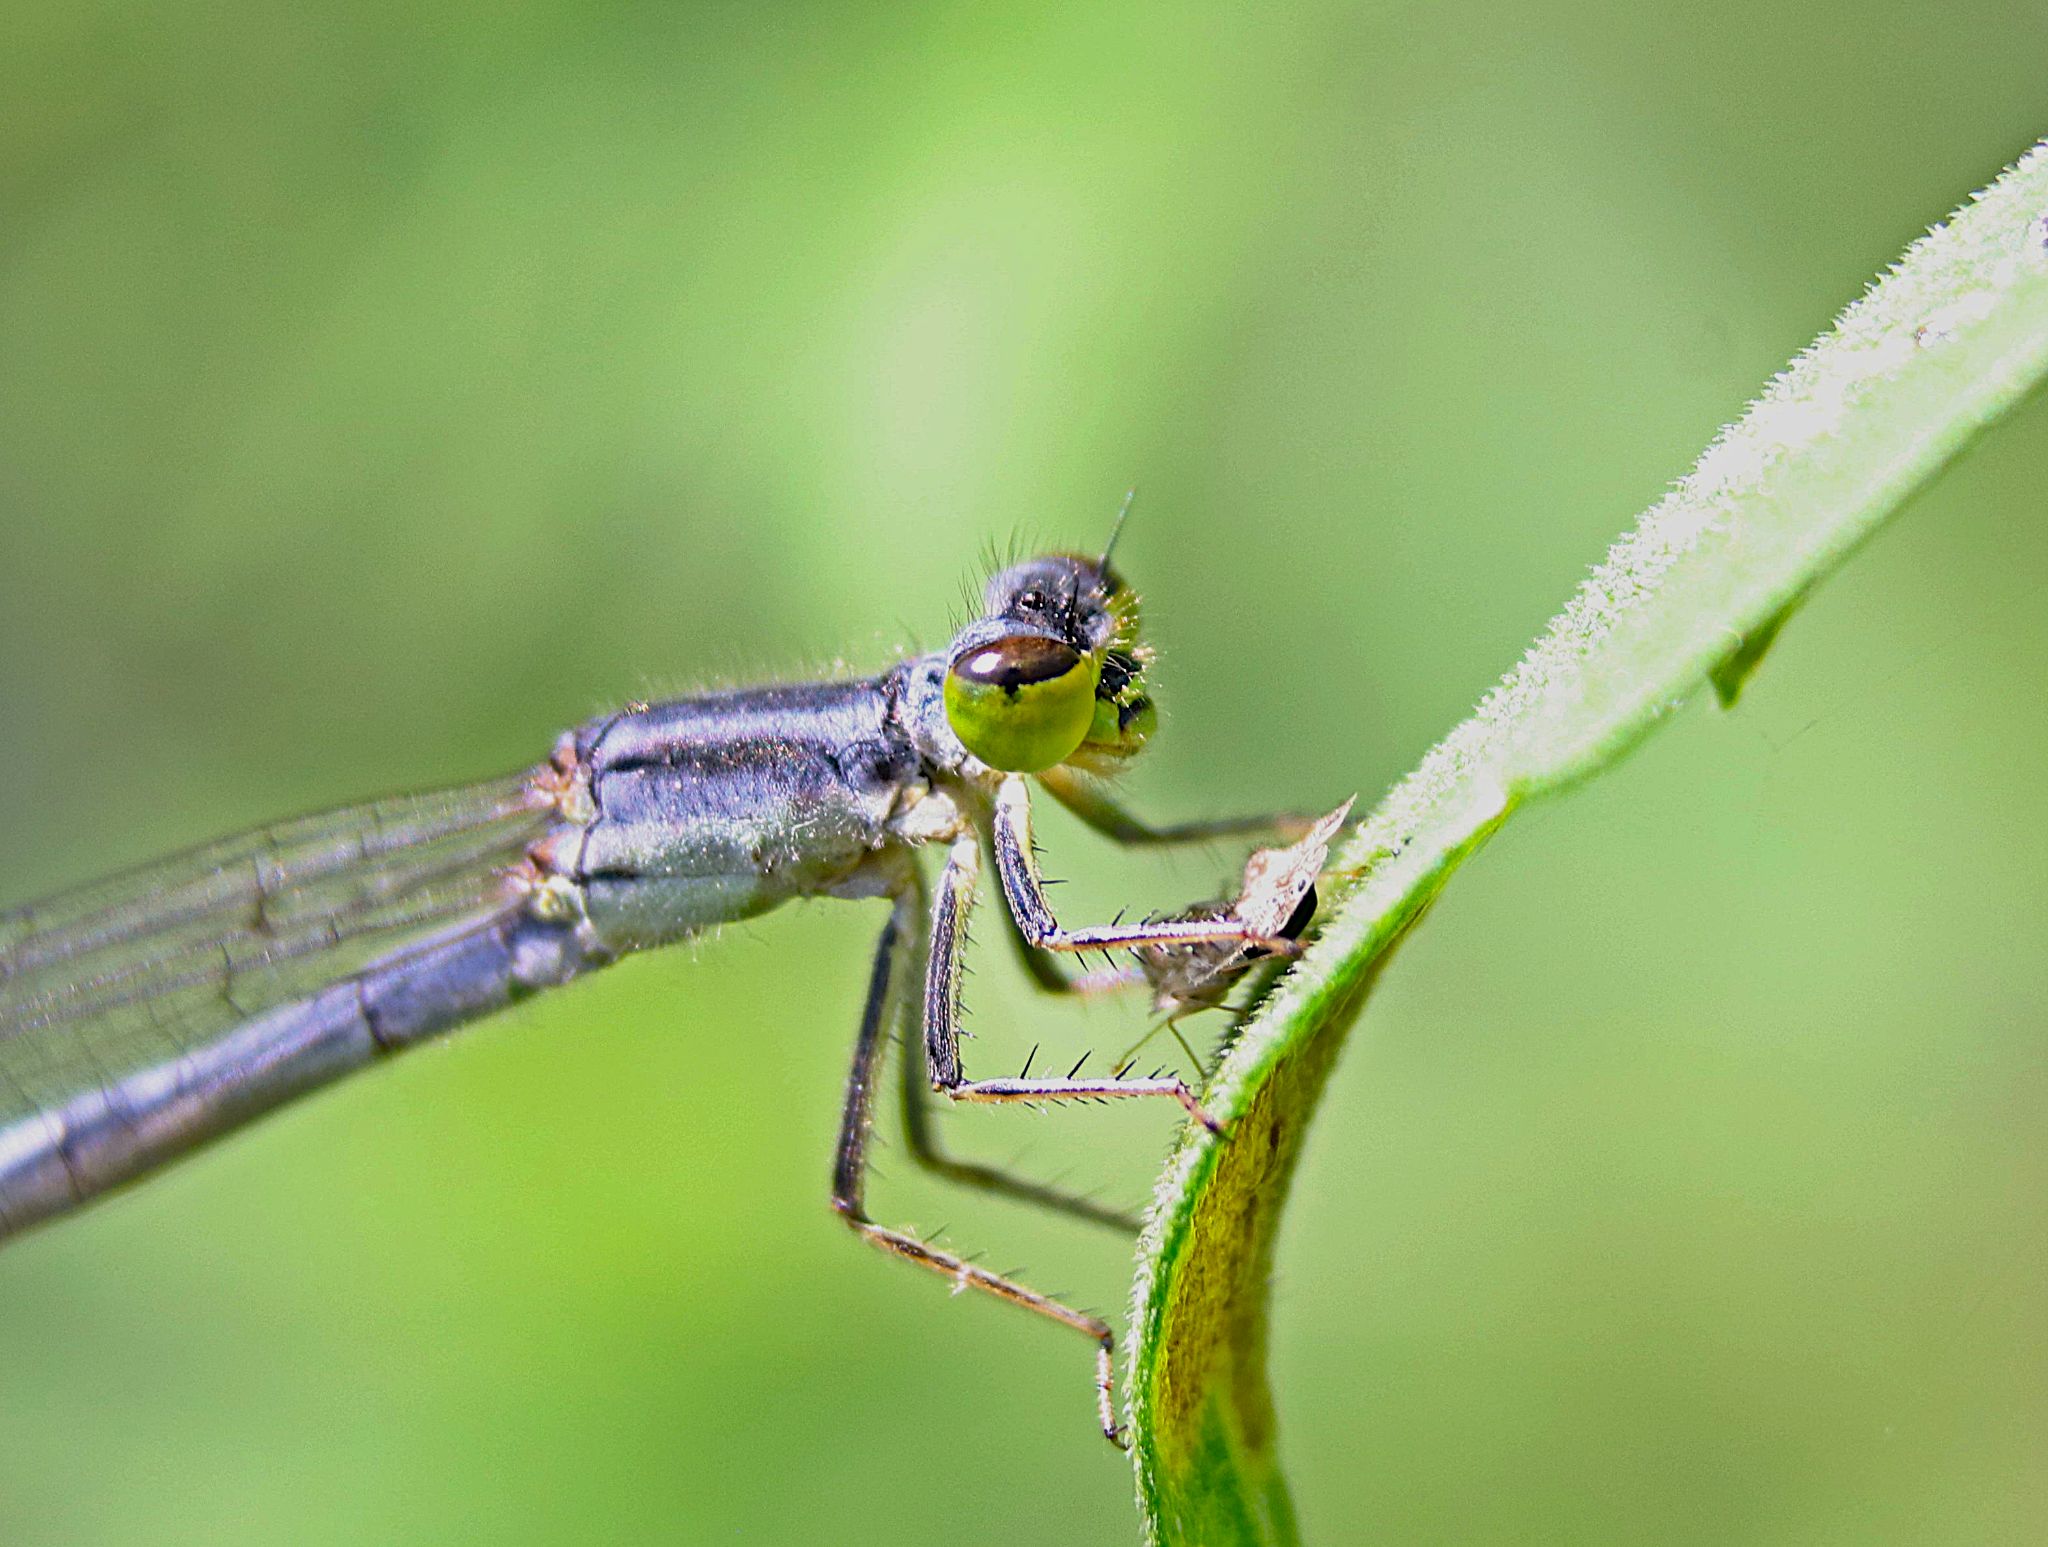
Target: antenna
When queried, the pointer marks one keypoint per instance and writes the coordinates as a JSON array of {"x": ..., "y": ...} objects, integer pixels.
[{"x": 1116, "y": 528}]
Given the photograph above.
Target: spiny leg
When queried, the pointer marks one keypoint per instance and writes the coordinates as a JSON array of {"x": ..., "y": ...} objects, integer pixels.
[
  {"x": 921, "y": 1140},
  {"x": 885, "y": 985},
  {"x": 1025, "y": 894},
  {"x": 1101, "y": 812},
  {"x": 1047, "y": 976},
  {"x": 1045, "y": 973},
  {"x": 920, "y": 1135},
  {"x": 942, "y": 998}
]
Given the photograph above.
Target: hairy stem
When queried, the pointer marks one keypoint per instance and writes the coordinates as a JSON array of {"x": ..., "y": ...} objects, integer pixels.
[{"x": 1946, "y": 342}]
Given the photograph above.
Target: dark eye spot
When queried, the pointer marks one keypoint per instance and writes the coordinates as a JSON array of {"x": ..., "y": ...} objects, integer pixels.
[
  {"x": 1017, "y": 662},
  {"x": 1298, "y": 920}
]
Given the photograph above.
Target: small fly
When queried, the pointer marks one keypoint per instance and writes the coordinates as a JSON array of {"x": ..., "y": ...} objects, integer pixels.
[{"x": 144, "y": 1015}]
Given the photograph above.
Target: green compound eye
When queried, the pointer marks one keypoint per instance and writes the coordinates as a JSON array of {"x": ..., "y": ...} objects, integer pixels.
[{"x": 1022, "y": 703}]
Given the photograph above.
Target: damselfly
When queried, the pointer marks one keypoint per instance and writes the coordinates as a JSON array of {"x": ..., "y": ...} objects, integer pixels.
[{"x": 144, "y": 1015}]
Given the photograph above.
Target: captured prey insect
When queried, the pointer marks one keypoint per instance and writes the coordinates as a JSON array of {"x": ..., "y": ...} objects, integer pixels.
[
  {"x": 144, "y": 1015},
  {"x": 1277, "y": 897}
]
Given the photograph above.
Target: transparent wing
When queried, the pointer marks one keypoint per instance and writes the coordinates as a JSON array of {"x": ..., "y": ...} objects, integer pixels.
[{"x": 123, "y": 974}]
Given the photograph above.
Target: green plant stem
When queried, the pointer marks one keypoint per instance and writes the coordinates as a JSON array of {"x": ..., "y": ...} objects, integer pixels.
[{"x": 1939, "y": 348}]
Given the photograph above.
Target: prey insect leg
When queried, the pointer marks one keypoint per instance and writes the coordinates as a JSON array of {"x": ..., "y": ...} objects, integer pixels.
[{"x": 886, "y": 985}]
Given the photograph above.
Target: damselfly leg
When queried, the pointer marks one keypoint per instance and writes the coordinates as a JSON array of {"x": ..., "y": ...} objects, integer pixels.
[
  {"x": 942, "y": 977},
  {"x": 1102, "y": 812},
  {"x": 1042, "y": 968},
  {"x": 1104, "y": 815},
  {"x": 921, "y": 1141},
  {"x": 1024, "y": 892},
  {"x": 906, "y": 956},
  {"x": 142, "y": 1017},
  {"x": 893, "y": 972}
]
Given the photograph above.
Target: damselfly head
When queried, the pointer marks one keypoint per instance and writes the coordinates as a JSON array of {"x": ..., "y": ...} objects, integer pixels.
[{"x": 1052, "y": 670}]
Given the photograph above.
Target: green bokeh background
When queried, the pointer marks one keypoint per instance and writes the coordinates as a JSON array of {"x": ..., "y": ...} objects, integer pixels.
[{"x": 384, "y": 387}]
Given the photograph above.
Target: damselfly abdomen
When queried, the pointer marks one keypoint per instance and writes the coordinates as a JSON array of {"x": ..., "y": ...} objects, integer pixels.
[{"x": 144, "y": 1015}]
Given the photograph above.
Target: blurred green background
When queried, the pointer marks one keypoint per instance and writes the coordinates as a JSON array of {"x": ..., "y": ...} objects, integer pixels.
[{"x": 383, "y": 387}]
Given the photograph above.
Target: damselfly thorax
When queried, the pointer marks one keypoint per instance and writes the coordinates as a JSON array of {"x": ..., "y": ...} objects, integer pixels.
[{"x": 142, "y": 1016}]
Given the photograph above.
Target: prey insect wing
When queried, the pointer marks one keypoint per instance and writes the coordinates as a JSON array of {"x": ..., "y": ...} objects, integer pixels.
[{"x": 1277, "y": 899}]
